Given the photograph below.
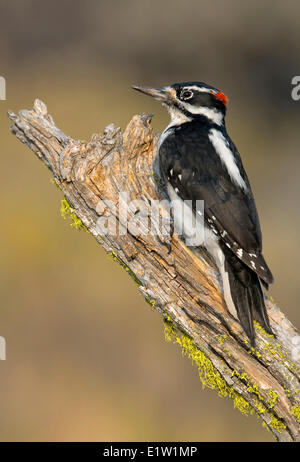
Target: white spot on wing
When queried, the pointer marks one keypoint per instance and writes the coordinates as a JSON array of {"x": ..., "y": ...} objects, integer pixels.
[{"x": 240, "y": 253}]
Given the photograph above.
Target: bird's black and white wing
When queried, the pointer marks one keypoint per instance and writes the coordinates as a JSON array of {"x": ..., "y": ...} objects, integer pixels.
[{"x": 197, "y": 169}]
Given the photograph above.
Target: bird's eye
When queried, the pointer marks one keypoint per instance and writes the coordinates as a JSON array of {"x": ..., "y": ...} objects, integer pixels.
[{"x": 186, "y": 94}]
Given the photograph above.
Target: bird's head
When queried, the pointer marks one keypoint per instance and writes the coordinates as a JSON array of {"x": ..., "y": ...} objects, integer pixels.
[{"x": 189, "y": 101}]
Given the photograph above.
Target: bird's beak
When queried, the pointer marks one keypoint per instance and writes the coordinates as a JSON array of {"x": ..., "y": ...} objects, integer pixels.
[{"x": 163, "y": 95}]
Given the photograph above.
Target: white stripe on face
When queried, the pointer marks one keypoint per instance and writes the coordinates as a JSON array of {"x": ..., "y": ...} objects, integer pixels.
[
  {"x": 203, "y": 89},
  {"x": 212, "y": 114}
]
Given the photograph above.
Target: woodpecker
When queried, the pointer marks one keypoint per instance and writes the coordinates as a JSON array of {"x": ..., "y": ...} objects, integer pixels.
[{"x": 199, "y": 161}]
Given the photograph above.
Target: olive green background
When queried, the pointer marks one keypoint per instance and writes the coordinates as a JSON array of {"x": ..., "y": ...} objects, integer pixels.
[{"x": 86, "y": 356}]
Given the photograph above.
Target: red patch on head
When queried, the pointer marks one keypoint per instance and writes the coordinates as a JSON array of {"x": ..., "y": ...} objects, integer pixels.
[{"x": 220, "y": 96}]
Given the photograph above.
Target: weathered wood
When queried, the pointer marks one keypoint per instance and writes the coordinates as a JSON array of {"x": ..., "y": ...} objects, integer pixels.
[{"x": 182, "y": 285}]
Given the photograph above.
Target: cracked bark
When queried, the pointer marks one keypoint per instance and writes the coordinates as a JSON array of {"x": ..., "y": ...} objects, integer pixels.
[{"x": 181, "y": 284}]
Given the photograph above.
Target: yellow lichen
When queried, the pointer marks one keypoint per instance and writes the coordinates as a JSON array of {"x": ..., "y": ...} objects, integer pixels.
[
  {"x": 114, "y": 257},
  {"x": 68, "y": 212},
  {"x": 151, "y": 302},
  {"x": 55, "y": 184},
  {"x": 222, "y": 338},
  {"x": 254, "y": 352},
  {"x": 272, "y": 398},
  {"x": 265, "y": 426},
  {"x": 276, "y": 424},
  {"x": 260, "y": 408},
  {"x": 275, "y": 349},
  {"x": 262, "y": 330},
  {"x": 295, "y": 411},
  {"x": 251, "y": 387},
  {"x": 211, "y": 378}
]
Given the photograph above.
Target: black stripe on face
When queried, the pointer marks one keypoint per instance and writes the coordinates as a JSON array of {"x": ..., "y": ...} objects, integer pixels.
[{"x": 182, "y": 109}]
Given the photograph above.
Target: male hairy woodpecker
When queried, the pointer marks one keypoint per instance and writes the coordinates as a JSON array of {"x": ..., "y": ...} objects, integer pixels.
[{"x": 199, "y": 161}]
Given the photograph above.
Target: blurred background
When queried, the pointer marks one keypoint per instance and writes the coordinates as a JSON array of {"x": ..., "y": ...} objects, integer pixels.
[{"x": 86, "y": 356}]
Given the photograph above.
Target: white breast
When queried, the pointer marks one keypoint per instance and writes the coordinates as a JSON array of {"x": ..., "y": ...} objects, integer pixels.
[
  {"x": 186, "y": 224},
  {"x": 197, "y": 233},
  {"x": 177, "y": 118}
]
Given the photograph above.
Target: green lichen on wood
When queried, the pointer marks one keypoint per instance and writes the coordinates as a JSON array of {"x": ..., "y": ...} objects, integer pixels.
[
  {"x": 275, "y": 349},
  {"x": 272, "y": 398},
  {"x": 114, "y": 257},
  {"x": 262, "y": 330},
  {"x": 277, "y": 424},
  {"x": 155, "y": 177},
  {"x": 295, "y": 411},
  {"x": 150, "y": 302},
  {"x": 288, "y": 392},
  {"x": 68, "y": 212},
  {"x": 255, "y": 353},
  {"x": 274, "y": 423},
  {"x": 251, "y": 387},
  {"x": 260, "y": 407},
  {"x": 211, "y": 378},
  {"x": 55, "y": 183},
  {"x": 222, "y": 338}
]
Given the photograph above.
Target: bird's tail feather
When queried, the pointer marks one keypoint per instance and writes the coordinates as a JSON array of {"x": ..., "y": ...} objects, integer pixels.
[{"x": 247, "y": 296}]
